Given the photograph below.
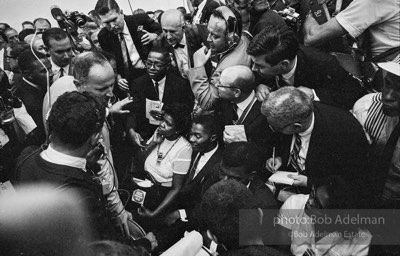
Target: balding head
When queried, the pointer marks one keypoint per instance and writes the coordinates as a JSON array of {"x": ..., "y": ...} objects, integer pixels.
[
  {"x": 172, "y": 22},
  {"x": 238, "y": 77}
]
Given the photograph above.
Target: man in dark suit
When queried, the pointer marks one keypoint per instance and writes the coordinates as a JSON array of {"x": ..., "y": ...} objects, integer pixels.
[
  {"x": 128, "y": 38},
  {"x": 182, "y": 40},
  {"x": 319, "y": 142},
  {"x": 159, "y": 84},
  {"x": 280, "y": 60},
  {"x": 239, "y": 106}
]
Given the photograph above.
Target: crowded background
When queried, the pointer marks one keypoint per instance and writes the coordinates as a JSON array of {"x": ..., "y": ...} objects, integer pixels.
[{"x": 219, "y": 127}]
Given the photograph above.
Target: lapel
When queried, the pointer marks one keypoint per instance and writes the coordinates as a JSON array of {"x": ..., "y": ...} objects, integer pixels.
[
  {"x": 299, "y": 73},
  {"x": 207, "y": 168},
  {"x": 316, "y": 138},
  {"x": 167, "y": 88},
  {"x": 253, "y": 113},
  {"x": 150, "y": 92}
]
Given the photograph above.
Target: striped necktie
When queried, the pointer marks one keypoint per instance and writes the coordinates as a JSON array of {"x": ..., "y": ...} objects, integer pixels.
[{"x": 294, "y": 157}]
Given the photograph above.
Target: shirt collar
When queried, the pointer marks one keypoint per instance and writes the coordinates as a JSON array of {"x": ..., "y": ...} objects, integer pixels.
[
  {"x": 161, "y": 82},
  {"x": 289, "y": 74},
  {"x": 183, "y": 41},
  {"x": 209, "y": 154},
  {"x": 53, "y": 156},
  {"x": 125, "y": 30},
  {"x": 31, "y": 84},
  {"x": 309, "y": 130},
  {"x": 243, "y": 105},
  {"x": 57, "y": 68}
]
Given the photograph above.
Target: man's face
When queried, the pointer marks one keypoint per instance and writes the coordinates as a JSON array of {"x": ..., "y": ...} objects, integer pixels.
[
  {"x": 12, "y": 36},
  {"x": 391, "y": 95},
  {"x": 239, "y": 174},
  {"x": 173, "y": 30},
  {"x": 263, "y": 68},
  {"x": 199, "y": 138},
  {"x": 284, "y": 127},
  {"x": 95, "y": 40},
  {"x": 226, "y": 90},
  {"x": 13, "y": 62},
  {"x": 157, "y": 65},
  {"x": 217, "y": 35},
  {"x": 60, "y": 51},
  {"x": 113, "y": 21},
  {"x": 100, "y": 81},
  {"x": 41, "y": 26},
  {"x": 38, "y": 74}
]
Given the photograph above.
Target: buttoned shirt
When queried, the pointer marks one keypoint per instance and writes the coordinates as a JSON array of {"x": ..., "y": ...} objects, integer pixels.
[
  {"x": 53, "y": 156},
  {"x": 161, "y": 87},
  {"x": 305, "y": 142},
  {"x": 57, "y": 70}
]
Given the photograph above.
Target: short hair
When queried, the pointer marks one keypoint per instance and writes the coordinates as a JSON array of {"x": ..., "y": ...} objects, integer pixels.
[
  {"x": 53, "y": 33},
  {"x": 83, "y": 62},
  {"x": 160, "y": 47},
  {"x": 288, "y": 104},
  {"x": 242, "y": 155},
  {"x": 41, "y": 19},
  {"x": 104, "y": 6},
  {"x": 5, "y": 25},
  {"x": 17, "y": 48},
  {"x": 237, "y": 27},
  {"x": 27, "y": 58},
  {"x": 24, "y": 33},
  {"x": 211, "y": 124},
  {"x": 181, "y": 114},
  {"x": 27, "y": 22},
  {"x": 139, "y": 11},
  {"x": 75, "y": 116},
  {"x": 181, "y": 9},
  {"x": 277, "y": 44},
  {"x": 220, "y": 208}
]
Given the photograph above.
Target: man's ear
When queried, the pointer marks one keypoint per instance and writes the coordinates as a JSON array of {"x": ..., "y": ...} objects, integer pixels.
[
  {"x": 237, "y": 93},
  {"x": 284, "y": 64},
  {"x": 78, "y": 85},
  {"x": 212, "y": 236}
]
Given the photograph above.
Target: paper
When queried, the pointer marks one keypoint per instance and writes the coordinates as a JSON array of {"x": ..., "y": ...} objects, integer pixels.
[
  {"x": 152, "y": 105},
  {"x": 234, "y": 133},
  {"x": 282, "y": 177}
]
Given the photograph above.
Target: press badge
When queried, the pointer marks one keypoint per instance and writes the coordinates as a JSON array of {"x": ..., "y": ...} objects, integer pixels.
[{"x": 138, "y": 196}]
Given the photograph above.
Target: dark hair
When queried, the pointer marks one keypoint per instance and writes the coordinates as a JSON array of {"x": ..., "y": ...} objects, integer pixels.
[
  {"x": 104, "y": 6},
  {"x": 26, "y": 59},
  {"x": 75, "y": 116},
  {"x": 2, "y": 35},
  {"x": 180, "y": 113},
  {"x": 27, "y": 22},
  {"x": 41, "y": 19},
  {"x": 159, "y": 46},
  {"x": 182, "y": 9},
  {"x": 240, "y": 154},
  {"x": 230, "y": 27},
  {"x": 139, "y": 11},
  {"x": 277, "y": 44},
  {"x": 220, "y": 208},
  {"x": 211, "y": 124},
  {"x": 24, "y": 33},
  {"x": 5, "y": 25},
  {"x": 17, "y": 48},
  {"x": 53, "y": 33}
]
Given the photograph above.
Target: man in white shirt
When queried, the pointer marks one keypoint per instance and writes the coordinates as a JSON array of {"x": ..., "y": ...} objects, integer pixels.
[{"x": 58, "y": 45}]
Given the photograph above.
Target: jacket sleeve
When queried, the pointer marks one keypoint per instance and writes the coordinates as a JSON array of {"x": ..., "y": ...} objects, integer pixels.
[{"x": 204, "y": 90}]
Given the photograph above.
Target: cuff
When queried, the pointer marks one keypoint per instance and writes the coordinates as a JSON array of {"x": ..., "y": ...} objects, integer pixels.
[
  {"x": 315, "y": 96},
  {"x": 183, "y": 215}
]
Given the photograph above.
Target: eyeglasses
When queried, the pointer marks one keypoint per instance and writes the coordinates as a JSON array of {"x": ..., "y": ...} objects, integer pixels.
[
  {"x": 157, "y": 65},
  {"x": 278, "y": 129},
  {"x": 219, "y": 85}
]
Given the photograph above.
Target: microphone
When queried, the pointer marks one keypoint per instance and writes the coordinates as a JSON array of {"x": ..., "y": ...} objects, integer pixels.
[{"x": 56, "y": 13}]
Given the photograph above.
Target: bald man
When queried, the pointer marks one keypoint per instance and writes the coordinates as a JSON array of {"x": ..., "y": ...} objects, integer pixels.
[
  {"x": 183, "y": 40},
  {"x": 240, "y": 109}
]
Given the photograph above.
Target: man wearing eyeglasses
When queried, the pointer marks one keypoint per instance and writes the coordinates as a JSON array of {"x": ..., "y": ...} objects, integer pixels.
[
  {"x": 319, "y": 142},
  {"x": 161, "y": 84}
]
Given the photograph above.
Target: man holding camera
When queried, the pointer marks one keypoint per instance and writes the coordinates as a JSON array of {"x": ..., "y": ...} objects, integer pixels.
[{"x": 128, "y": 38}]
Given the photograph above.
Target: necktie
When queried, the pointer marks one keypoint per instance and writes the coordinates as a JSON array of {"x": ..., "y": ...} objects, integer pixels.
[
  {"x": 192, "y": 171},
  {"x": 280, "y": 82},
  {"x": 178, "y": 45},
  {"x": 157, "y": 90},
  {"x": 125, "y": 55},
  {"x": 61, "y": 73},
  {"x": 295, "y": 154},
  {"x": 235, "y": 116}
]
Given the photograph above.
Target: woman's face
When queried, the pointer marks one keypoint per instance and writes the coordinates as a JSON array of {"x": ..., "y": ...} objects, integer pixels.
[{"x": 167, "y": 126}]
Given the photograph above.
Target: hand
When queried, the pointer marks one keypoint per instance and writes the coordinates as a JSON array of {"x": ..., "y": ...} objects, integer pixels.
[
  {"x": 153, "y": 240},
  {"x": 229, "y": 138},
  {"x": 308, "y": 91},
  {"x": 144, "y": 212},
  {"x": 121, "y": 222},
  {"x": 272, "y": 165},
  {"x": 262, "y": 91},
  {"x": 148, "y": 37},
  {"x": 201, "y": 56},
  {"x": 172, "y": 218},
  {"x": 158, "y": 137},
  {"x": 118, "y": 106},
  {"x": 136, "y": 138},
  {"x": 299, "y": 180},
  {"x": 123, "y": 84}
]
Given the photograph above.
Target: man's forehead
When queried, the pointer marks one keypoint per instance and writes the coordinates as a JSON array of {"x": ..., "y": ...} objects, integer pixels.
[
  {"x": 216, "y": 25},
  {"x": 62, "y": 43}
]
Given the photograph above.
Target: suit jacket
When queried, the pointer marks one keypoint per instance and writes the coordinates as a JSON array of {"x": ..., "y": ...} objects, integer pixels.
[
  {"x": 338, "y": 147},
  {"x": 176, "y": 89},
  {"x": 110, "y": 42},
  {"x": 207, "y": 10}
]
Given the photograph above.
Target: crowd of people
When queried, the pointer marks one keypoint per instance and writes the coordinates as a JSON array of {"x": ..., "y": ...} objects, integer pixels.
[{"x": 230, "y": 128}]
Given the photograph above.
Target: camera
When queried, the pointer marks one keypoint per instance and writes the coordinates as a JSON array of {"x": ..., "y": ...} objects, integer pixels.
[
  {"x": 69, "y": 20},
  {"x": 291, "y": 17},
  {"x": 76, "y": 18}
]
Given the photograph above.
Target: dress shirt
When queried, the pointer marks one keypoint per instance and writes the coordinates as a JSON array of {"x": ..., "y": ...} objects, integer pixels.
[
  {"x": 56, "y": 70},
  {"x": 53, "y": 156},
  {"x": 204, "y": 159},
  {"x": 2, "y": 58},
  {"x": 241, "y": 106},
  {"x": 181, "y": 55},
  {"x": 161, "y": 87},
  {"x": 133, "y": 53},
  {"x": 305, "y": 142},
  {"x": 199, "y": 12}
]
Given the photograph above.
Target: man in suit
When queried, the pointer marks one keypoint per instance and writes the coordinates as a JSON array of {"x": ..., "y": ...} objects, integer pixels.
[
  {"x": 239, "y": 106},
  {"x": 159, "y": 84},
  {"x": 183, "y": 40},
  {"x": 58, "y": 46},
  {"x": 280, "y": 60},
  {"x": 319, "y": 142},
  {"x": 128, "y": 38}
]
